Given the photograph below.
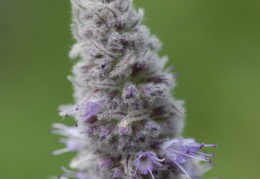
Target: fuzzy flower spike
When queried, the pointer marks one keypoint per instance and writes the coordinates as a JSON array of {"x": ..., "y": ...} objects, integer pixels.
[{"x": 127, "y": 123}]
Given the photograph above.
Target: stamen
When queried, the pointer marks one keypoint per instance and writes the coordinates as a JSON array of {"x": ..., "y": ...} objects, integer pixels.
[
  {"x": 188, "y": 155},
  {"x": 150, "y": 172},
  {"x": 160, "y": 160},
  {"x": 207, "y": 158},
  {"x": 210, "y": 145},
  {"x": 136, "y": 169},
  {"x": 183, "y": 170}
]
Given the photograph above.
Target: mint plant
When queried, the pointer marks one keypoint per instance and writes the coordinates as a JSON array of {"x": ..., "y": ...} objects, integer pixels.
[{"x": 128, "y": 124}]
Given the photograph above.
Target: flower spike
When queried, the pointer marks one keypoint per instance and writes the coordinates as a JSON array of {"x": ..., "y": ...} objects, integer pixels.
[{"x": 127, "y": 123}]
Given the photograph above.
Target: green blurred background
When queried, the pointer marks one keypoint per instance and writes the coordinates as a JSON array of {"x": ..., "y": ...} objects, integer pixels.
[{"x": 214, "y": 45}]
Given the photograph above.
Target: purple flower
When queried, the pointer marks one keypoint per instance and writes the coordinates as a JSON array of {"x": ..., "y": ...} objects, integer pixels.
[
  {"x": 146, "y": 162},
  {"x": 73, "y": 142},
  {"x": 130, "y": 91},
  {"x": 178, "y": 150},
  {"x": 91, "y": 108}
]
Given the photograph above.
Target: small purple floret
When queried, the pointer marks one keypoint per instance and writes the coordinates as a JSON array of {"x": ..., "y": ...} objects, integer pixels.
[
  {"x": 146, "y": 162},
  {"x": 91, "y": 108},
  {"x": 178, "y": 150}
]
